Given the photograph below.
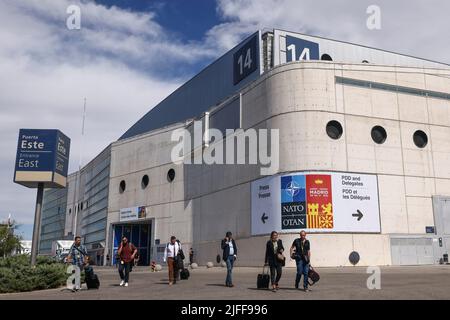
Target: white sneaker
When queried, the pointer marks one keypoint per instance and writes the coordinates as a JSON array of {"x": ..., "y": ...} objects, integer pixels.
[
  {"x": 126, "y": 284},
  {"x": 121, "y": 283}
]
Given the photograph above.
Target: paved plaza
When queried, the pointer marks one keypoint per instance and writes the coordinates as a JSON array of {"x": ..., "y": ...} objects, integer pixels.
[{"x": 418, "y": 282}]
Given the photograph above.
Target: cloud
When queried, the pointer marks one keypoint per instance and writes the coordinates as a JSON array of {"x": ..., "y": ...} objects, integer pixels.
[
  {"x": 46, "y": 71},
  {"x": 418, "y": 28}
]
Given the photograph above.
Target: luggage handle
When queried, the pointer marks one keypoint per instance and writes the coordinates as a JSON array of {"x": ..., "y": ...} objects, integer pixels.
[{"x": 264, "y": 268}]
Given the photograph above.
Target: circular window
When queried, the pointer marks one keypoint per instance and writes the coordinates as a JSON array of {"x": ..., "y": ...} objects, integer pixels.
[
  {"x": 170, "y": 175},
  {"x": 144, "y": 182},
  {"x": 365, "y": 61},
  {"x": 326, "y": 57},
  {"x": 122, "y": 186},
  {"x": 378, "y": 134},
  {"x": 334, "y": 129},
  {"x": 353, "y": 257},
  {"x": 420, "y": 139}
]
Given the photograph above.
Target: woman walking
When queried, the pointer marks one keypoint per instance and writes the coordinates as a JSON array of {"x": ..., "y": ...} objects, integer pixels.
[{"x": 275, "y": 259}]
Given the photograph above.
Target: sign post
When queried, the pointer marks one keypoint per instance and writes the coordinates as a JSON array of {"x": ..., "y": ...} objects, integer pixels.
[
  {"x": 42, "y": 161},
  {"x": 37, "y": 223}
]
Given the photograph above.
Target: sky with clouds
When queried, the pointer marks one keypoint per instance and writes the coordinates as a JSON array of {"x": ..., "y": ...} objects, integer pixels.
[{"x": 130, "y": 54}]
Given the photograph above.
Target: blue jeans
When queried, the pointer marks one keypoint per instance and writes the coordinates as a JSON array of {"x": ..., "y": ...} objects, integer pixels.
[
  {"x": 302, "y": 268},
  {"x": 229, "y": 262},
  {"x": 124, "y": 267}
]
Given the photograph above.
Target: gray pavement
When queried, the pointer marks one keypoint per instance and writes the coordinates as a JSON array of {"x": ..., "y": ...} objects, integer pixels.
[{"x": 415, "y": 282}]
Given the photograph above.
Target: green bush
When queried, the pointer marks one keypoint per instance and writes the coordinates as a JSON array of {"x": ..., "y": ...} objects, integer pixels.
[{"x": 17, "y": 275}]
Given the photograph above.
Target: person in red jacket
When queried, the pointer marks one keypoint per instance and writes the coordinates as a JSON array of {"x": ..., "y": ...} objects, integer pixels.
[{"x": 127, "y": 253}]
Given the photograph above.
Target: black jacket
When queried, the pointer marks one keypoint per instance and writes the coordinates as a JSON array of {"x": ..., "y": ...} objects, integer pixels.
[
  {"x": 226, "y": 249},
  {"x": 271, "y": 257}
]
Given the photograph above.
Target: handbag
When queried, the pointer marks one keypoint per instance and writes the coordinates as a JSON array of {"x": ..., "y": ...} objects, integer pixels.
[
  {"x": 313, "y": 276},
  {"x": 294, "y": 254},
  {"x": 280, "y": 257},
  {"x": 180, "y": 251}
]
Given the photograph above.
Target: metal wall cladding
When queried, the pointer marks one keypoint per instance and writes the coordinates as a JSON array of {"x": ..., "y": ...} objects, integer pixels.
[
  {"x": 345, "y": 52},
  {"x": 205, "y": 90},
  {"x": 412, "y": 251}
]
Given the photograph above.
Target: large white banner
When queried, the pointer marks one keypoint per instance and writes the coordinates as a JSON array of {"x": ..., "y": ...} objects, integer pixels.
[{"x": 316, "y": 202}]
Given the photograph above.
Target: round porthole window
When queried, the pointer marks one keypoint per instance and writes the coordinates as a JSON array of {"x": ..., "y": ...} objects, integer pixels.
[
  {"x": 170, "y": 175},
  {"x": 420, "y": 139},
  {"x": 378, "y": 134},
  {"x": 334, "y": 129},
  {"x": 144, "y": 182},
  {"x": 354, "y": 258},
  {"x": 122, "y": 186},
  {"x": 326, "y": 57}
]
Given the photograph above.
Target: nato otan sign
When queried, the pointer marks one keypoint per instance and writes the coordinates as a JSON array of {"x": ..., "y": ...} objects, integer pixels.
[
  {"x": 42, "y": 157},
  {"x": 315, "y": 202}
]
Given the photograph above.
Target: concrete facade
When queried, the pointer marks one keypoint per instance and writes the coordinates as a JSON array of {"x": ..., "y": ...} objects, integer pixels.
[
  {"x": 299, "y": 99},
  {"x": 399, "y": 93}
]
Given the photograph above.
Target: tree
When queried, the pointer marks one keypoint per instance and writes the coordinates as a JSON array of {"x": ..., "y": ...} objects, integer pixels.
[{"x": 9, "y": 242}]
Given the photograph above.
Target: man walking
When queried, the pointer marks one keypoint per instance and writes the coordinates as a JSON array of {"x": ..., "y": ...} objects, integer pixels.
[
  {"x": 229, "y": 256},
  {"x": 300, "y": 249},
  {"x": 171, "y": 257},
  {"x": 77, "y": 256},
  {"x": 127, "y": 252}
]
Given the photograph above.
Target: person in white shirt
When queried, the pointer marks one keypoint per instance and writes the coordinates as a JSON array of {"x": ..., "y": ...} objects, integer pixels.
[{"x": 170, "y": 256}]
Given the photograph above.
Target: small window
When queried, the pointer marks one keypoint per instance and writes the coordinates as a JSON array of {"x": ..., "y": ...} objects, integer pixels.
[
  {"x": 170, "y": 175},
  {"x": 70, "y": 211},
  {"x": 365, "y": 61},
  {"x": 420, "y": 139},
  {"x": 326, "y": 57},
  {"x": 334, "y": 129},
  {"x": 144, "y": 182},
  {"x": 122, "y": 186},
  {"x": 378, "y": 134},
  {"x": 81, "y": 206}
]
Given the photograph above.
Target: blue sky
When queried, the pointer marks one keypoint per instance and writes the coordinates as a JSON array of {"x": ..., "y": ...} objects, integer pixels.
[
  {"x": 187, "y": 18},
  {"x": 130, "y": 54}
]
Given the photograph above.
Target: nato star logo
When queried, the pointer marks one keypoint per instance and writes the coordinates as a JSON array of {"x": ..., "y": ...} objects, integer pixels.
[{"x": 292, "y": 188}]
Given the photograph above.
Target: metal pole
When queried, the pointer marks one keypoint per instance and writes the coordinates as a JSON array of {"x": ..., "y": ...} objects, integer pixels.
[
  {"x": 77, "y": 182},
  {"x": 37, "y": 223}
]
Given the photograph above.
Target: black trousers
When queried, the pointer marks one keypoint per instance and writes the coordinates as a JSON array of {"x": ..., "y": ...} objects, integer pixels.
[
  {"x": 124, "y": 267},
  {"x": 275, "y": 273}
]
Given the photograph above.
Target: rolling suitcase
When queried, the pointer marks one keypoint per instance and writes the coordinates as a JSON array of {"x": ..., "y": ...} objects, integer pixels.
[
  {"x": 92, "y": 282},
  {"x": 263, "y": 280},
  {"x": 184, "y": 274},
  {"x": 313, "y": 276}
]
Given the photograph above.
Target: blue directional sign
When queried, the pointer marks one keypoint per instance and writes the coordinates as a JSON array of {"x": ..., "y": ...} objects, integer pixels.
[{"x": 42, "y": 156}]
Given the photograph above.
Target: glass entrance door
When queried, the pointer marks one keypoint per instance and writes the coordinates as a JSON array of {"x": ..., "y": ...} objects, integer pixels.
[{"x": 137, "y": 234}]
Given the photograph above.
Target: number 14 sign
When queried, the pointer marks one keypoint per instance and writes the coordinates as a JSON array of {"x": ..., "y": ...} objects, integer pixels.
[{"x": 245, "y": 60}]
